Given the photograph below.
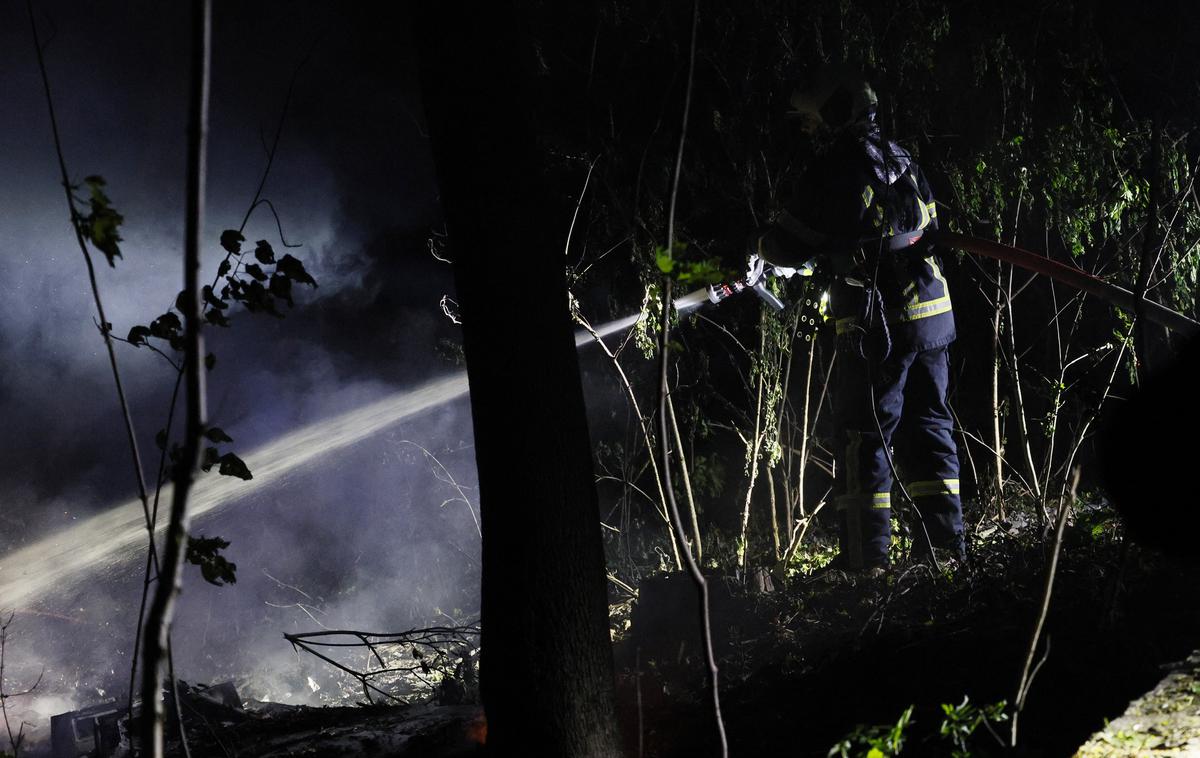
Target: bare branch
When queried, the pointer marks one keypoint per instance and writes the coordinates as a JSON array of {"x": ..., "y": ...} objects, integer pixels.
[
  {"x": 449, "y": 479},
  {"x": 1028, "y": 672},
  {"x": 663, "y": 395},
  {"x": 425, "y": 655}
]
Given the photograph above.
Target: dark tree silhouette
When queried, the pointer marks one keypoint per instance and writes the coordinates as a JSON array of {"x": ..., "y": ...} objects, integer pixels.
[{"x": 546, "y": 663}]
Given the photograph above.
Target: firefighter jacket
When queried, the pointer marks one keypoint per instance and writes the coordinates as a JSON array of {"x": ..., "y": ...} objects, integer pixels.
[{"x": 857, "y": 208}]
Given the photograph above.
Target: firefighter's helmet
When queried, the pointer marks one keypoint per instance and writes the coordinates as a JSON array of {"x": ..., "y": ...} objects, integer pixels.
[{"x": 836, "y": 97}]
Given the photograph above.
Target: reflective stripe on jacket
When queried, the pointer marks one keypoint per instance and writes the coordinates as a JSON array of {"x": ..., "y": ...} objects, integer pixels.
[{"x": 890, "y": 196}]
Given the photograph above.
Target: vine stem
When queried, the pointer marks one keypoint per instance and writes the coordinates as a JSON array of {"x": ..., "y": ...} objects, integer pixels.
[
  {"x": 793, "y": 543},
  {"x": 105, "y": 327},
  {"x": 157, "y": 640},
  {"x": 660, "y": 507},
  {"x": 755, "y": 446},
  {"x": 1029, "y": 671},
  {"x": 147, "y": 577},
  {"x": 664, "y": 415},
  {"x": 1151, "y": 252},
  {"x": 180, "y": 370},
  {"x": 105, "y": 332},
  {"x": 687, "y": 482}
]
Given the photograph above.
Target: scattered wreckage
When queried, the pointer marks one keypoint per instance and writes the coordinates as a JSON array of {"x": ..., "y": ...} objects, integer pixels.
[{"x": 102, "y": 730}]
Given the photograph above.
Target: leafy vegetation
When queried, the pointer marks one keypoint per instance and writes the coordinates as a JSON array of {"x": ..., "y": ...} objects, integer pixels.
[
  {"x": 205, "y": 552},
  {"x": 958, "y": 727},
  {"x": 1035, "y": 130},
  {"x": 1042, "y": 150},
  {"x": 962, "y": 721},
  {"x": 874, "y": 741}
]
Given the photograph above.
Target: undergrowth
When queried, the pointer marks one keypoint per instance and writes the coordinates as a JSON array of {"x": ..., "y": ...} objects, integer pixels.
[{"x": 918, "y": 662}]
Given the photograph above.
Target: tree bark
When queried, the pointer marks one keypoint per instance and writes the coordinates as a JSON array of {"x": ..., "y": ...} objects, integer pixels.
[{"x": 546, "y": 661}]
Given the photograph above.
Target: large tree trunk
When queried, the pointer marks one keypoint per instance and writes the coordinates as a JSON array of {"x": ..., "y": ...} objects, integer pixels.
[{"x": 546, "y": 664}]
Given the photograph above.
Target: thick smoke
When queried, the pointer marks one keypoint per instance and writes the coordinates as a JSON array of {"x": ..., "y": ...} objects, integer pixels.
[
  {"x": 361, "y": 539},
  {"x": 351, "y": 165}
]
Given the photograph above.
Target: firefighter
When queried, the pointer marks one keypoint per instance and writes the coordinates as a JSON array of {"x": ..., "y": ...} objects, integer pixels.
[{"x": 862, "y": 207}]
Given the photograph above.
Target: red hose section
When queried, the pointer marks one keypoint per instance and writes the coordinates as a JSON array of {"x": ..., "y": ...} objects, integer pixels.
[{"x": 1073, "y": 277}]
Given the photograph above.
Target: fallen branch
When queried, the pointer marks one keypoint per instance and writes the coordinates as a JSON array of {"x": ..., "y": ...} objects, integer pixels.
[{"x": 422, "y": 654}]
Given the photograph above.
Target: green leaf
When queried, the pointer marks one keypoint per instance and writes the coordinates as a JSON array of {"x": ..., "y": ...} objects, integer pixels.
[
  {"x": 217, "y": 434},
  {"x": 223, "y": 269},
  {"x": 212, "y": 457},
  {"x": 294, "y": 270},
  {"x": 281, "y": 287},
  {"x": 231, "y": 240},
  {"x": 138, "y": 334},
  {"x": 212, "y": 299},
  {"x": 231, "y": 465},
  {"x": 662, "y": 257},
  {"x": 166, "y": 326},
  {"x": 703, "y": 272},
  {"x": 205, "y": 552},
  {"x": 264, "y": 253},
  {"x": 256, "y": 298},
  {"x": 256, "y": 271},
  {"x": 101, "y": 226}
]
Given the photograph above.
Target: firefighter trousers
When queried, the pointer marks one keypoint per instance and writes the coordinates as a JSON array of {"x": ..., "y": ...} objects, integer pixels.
[{"x": 872, "y": 398}]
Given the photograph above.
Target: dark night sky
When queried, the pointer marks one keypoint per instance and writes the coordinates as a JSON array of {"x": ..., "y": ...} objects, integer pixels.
[{"x": 353, "y": 182}]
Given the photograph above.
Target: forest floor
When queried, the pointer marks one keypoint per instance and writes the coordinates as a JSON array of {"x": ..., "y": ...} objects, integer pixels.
[
  {"x": 831, "y": 659},
  {"x": 277, "y": 731},
  {"x": 918, "y": 662}
]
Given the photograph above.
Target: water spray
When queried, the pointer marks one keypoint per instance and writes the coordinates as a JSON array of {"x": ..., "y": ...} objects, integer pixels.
[{"x": 61, "y": 561}]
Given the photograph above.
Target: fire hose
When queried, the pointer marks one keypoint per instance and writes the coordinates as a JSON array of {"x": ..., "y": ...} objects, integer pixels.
[
  {"x": 1072, "y": 277},
  {"x": 1038, "y": 264}
]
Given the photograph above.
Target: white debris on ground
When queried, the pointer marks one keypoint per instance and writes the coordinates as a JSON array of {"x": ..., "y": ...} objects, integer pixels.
[{"x": 1164, "y": 722}]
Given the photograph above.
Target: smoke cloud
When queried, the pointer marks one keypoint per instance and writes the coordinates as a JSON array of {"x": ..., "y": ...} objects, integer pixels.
[{"x": 372, "y": 536}]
